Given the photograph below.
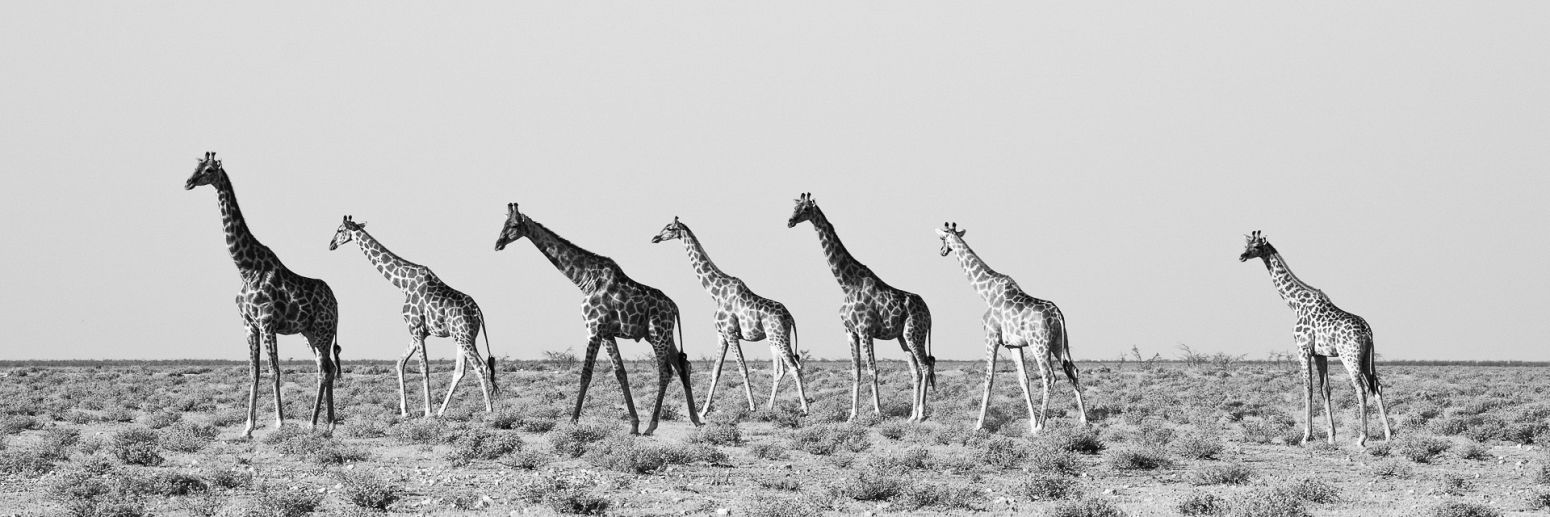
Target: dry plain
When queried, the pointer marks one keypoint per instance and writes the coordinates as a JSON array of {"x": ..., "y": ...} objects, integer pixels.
[{"x": 1165, "y": 439}]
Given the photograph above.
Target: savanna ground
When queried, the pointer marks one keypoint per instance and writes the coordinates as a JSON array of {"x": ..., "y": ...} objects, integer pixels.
[{"x": 1165, "y": 439}]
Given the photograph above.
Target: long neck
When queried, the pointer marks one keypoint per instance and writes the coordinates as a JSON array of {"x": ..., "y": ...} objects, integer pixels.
[
  {"x": 585, "y": 269},
  {"x": 980, "y": 275},
  {"x": 249, "y": 254},
  {"x": 1292, "y": 289},
  {"x": 847, "y": 270},
  {"x": 400, "y": 272},
  {"x": 709, "y": 274}
]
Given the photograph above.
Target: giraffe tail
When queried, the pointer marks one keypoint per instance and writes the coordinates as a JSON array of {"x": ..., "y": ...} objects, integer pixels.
[
  {"x": 1369, "y": 370},
  {"x": 1066, "y": 363},
  {"x": 338, "y": 367},
  {"x": 489, "y": 355},
  {"x": 930, "y": 363},
  {"x": 796, "y": 351}
]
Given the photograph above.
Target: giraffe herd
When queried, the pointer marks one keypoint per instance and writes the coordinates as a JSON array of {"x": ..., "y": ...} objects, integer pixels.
[{"x": 275, "y": 301}]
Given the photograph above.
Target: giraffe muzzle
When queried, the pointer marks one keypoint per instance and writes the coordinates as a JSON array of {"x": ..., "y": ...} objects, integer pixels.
[{"x": 656, "y": 239}]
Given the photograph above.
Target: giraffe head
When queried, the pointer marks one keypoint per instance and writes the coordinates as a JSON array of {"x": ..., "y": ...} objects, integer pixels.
[
  {"x": 345, "y": 233},
  {"x": 949, "y": 233},
  {"x": 673, "y": 230},
  {"x": 805, "y": 208},
  {"x": 206, "y": 173},
  {"x": 514, "y": 229},
  {"x": 1255, "y": 246}
]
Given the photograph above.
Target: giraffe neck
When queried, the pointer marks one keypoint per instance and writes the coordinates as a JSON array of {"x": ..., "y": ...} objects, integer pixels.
[
  {"x": 847, "y": 270},
  {"x": 980, "y": 275},
  {"x": 250, "y": 255},
  {"x": 710, "y": 275},
  {"x": 589, "y": 271},
  {"x": 1292, "y": 289},
  {"x": 400, "y": 272}
]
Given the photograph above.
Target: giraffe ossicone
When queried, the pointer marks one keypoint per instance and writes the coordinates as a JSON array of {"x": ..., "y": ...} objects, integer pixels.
[{"x": 431, "y": 308}]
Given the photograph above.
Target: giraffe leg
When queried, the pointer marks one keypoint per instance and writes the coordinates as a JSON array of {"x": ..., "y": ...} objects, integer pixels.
[
  {"x": 777, "y": 371},
  {"x": 1035, "y": 418},
  {"x": 486, "y": 374},
  {"x": 1322, "y": 363},
  {"x": 624, "y": 384},
  {"x": 1069, "y": 366},
  {"x": 586, "y": 375},
  {"x": 871, "y": 364},
  {"x": 1307, "y": 384},
  {"x": 715, "y": 377},
  {"x": 796, "y": 367},
  {"x": 1361, "y": 399},
  {"x": 664, "y": 377},
  {"x": 457, "y": 378},
  {"x": 272, "y": 348},
  {"x": 915, "y": 384},
  {"x": 425, "y": 374},
  {"x": 681, "y": 360},
  {"x": 403, "y": 392},
  {"x": 992, "y": 348},
  {"x": 784, "y": 355},
  {"x": 1383, "y": 413},
  {"x": 254, "y": 374},
  {"x": 742, "y": 364},
  {"x": 855, "y": 375},
  {"x": 325, "y": 361}
]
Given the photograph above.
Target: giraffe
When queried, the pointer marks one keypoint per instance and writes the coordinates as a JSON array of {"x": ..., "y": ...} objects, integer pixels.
[
  {"x": 1323, "y": 331},
  {"x": 431, "y": 308},
  {"x": 741, "y": 315},
  {"x": 1016, "y": 321},
  {"x": 274, "y": 301},
  {"x": 614, "y": 306},
  {"x": 873, "y": 310}
]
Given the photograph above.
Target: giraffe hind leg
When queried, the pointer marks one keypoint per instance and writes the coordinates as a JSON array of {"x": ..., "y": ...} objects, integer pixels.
[
  {"x": 587, "y": 362},
  {"x": 742, "y": 364},
  {"x": 457, "y": 378},
  {"x": 272, "y": 348},
  {"x": 255, "y": 374},
  {"x": 715, "y": 377},
  {"x": 624, "y": 384},
  {"x": 1322, "y": 363}
]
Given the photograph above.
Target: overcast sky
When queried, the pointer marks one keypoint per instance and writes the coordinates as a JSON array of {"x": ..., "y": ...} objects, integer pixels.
[{"x": 1109, "y": 158}]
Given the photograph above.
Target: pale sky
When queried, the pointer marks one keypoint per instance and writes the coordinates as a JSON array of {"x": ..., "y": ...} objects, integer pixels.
[{"x": 1108, "y": 157}]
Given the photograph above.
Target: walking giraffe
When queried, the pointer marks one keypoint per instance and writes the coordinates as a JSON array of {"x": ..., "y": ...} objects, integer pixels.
[
  {"x": 431, "y": 308},
  {"x": 1323, "y": 331},
  {"x": 614, "y": 306},
  {"x": 874, "y": 310},
  {"x": 1016, "y": 320},
  {"x": 274, "y": 301},
  {"x": 741, "y": 315}
]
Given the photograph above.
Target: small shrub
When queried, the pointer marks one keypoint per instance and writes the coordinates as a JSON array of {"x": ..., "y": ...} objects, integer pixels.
[
  {"x": 1312, "y": 491},
  {"x": 1087, "y": 508},
  {"x": 893, "y": 429},
  {"x": 1462, "y": 509},
  {"x": 1201, "y": 503},
  {"x": 938, "y": 496},
  {"x": 1453, "y": 484},
  {"x": 625, "y": 453},
  {"x": 363, "y": 428},
  {"x": 1131, "y": 458},
  {"x": 366, "y": 491},
  {"x": 1391, "y": 469},
  {"x": 1045, "y": 487},
  {"x": 718, "y": 434},
  {"x": 25, "y": 463},
  {"x": 682, "y": 454},
  {"x": 161, "y": 419},
  {"x": 785, "y": 482},
  {"x": 332, "y": 452},
  {"x": 292, "y": 440},
  {"x": 573, "y": 439},
  {"x": 13, "y": 424},
  {"x": 1226, "y": 474},
  {"x": 1539, "y": 500},
  {"x": 871, "y": 484},
  {"x": 137, "y": 446},
  {"x": 1002, "y": 453},
  {"x": 1422, "y": 449},
  {"x": 57, "y": 441},
  {"x": 826, "y": 439},
  {"x": 507, "y": 419},
  {"x": 283, "y": 503},
  {"x": 1198, "y": 446},
  {"x": 1380, "y": 450},
  {"x": 574, "y": 502},
  {"x": 482, "y": 444},
  {"x": 167, "y": 484},
  {"x": 1543, "y": 476},
  {"x": 424, "y": 431},
  {"x": 526, "y": 460},
  {"x": 229, "y": 479},
  {"x": 1082, "y": 441},
  {"x": 1266, "y": 503},
  {"x": 769, "y": 451},
  {"x": 1471, "y": 451},
  {"x": 779, "y": 506},
  {"x": 186, "y": 436},
  {"x": 1055, "y": 462}
]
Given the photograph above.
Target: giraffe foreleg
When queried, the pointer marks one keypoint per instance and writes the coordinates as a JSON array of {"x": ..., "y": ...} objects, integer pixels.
[
  {"x": 587, "y": 362},
  {"x": 715, "y": 377},
  {"x": 871, "y": 364},
  {"x": 1322, "y": 363},
  {"x": 1035, "y": 418},
  {"x": 1307, "y": 384},
  {"x": 457, "y": 378},
  {"x": 742, "y": 364},
  {"x": 272, "y": 348},
  {"x": 624, "y": 384},
  {"x": 425, "y": 374},
  {"x": 855, "y": 375},
  {"x": 403, "y": 391},
  {"x": 992, "y": 349},
  {"x": 255, "y": 372}
]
